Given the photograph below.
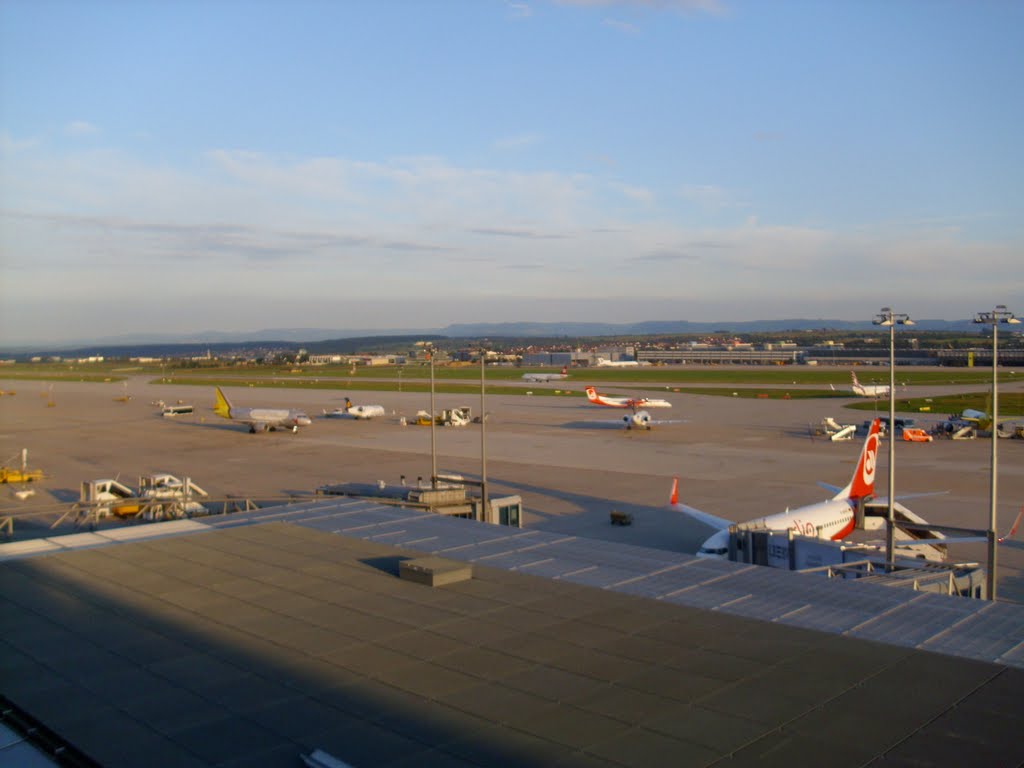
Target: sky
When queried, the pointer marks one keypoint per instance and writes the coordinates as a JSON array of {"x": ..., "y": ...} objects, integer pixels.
[{"x": 176, "y": 167}]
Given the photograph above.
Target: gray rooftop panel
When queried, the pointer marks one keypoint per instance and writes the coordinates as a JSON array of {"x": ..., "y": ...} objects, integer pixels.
[
  {"x": 961, "y": 627},
  {"x": 997, "y": 632},
  {"x": 332, "y": 650}
]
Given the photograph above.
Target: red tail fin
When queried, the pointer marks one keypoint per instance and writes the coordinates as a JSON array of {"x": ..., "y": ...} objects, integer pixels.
[
  {"x": 863, "y": 481},
  {"x": 1013, "y": 530},
  {"x": 673, "y": 498},
  {"x": 591, "y": 394}
]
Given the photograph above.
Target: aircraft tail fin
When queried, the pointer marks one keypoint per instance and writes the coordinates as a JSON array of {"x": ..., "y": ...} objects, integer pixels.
[
  {"x": 673, "y": 497},
  {"x": 1013, "y": 529},
  {"x": 348, "y": 404},
  {"x": 591, "y": 394},
  {"x": 223, "y": 406},
  {"x": 862, "y": 484}
]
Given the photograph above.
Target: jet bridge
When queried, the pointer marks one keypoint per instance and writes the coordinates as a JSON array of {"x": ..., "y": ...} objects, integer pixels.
[{"x": 851, "y": 560}]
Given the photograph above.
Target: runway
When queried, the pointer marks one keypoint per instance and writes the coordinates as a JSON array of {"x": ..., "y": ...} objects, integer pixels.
[{"x": 571, "y": 462}]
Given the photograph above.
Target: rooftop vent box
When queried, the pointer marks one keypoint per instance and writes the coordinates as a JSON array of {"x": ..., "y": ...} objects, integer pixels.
[{"x": 435, "y": 571}]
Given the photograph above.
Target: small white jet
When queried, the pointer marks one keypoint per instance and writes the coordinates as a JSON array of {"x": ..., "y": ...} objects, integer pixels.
[
  {"x": 261, "y": 419},
  {"x": 355, "y": 411},
  {"x": 832, "y": 519},
  {"x": 625, "y": 402},
  {"x": 603, "y": 362},
  {"x": 542, "y": 377}
]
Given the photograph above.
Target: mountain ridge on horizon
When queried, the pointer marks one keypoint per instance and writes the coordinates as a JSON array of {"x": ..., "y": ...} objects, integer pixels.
[{"x": 525, "y": 329}]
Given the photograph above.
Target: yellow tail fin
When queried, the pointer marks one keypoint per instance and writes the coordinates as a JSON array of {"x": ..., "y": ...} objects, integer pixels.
[{"x": 222, "y": 406}]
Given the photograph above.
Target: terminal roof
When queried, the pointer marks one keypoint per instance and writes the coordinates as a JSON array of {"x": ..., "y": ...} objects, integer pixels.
[{"x": 265, "y": 635}]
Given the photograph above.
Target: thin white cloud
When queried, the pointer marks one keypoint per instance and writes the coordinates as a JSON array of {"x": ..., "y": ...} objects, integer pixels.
[
  {"x": 704, "y": 6},
  {"x": 524, "y": 234},
  {"x": 519, "y": 10},
  {"x": 621, "y": 26},
  {"x": 639, "y": 194},
  {"x": 264, "y": 227},
  {"x": 708, "y": 196},
  {"x": 9, "y": 144},
  {"x": 666, "y": 256},
  {"x": 79, "y": 128},
  {"x": 517, "y": 141}
]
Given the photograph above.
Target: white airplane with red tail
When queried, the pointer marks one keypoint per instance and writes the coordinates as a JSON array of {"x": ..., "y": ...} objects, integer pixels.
[
  {"x": 831, "y": 519},
  {"x": 625, "y": 402}
]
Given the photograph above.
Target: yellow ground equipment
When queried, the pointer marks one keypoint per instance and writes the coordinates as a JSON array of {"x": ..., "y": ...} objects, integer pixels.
[{"x": 22, "y": 474}]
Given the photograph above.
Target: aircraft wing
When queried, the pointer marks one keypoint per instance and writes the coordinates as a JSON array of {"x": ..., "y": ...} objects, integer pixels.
[
  {"x": 718, "y": 523},
  {"x": 883, "y": 501}
]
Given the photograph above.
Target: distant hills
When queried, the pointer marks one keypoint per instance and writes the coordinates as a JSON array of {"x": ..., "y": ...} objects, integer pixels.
[
  {"x": 337, "y": 340},
  {"x": 677, "y": 327}
]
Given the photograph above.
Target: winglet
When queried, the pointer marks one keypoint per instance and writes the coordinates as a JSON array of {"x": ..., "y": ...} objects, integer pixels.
[{"x": 673, "y": 498}]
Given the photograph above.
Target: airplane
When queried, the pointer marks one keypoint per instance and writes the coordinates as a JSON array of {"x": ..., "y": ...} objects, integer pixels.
[
  {"x": 980, "y": 420},
  {"x": 542, "y": 377},
  {"x": 603, "y": 362},
  {"x": 869, "y": 390},
  {"x": 261, "y": 419},
  {"x": 832, "y": 519},
  {"x": 970, "y": 421},
  {"x": 355, "y": 411},
  {"x": 625, "y": 402},
  {"x": 641, "y": 418}
]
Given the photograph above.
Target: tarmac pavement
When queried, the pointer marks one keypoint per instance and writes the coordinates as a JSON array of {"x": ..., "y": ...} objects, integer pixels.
[{"x": 572, "y": 462}]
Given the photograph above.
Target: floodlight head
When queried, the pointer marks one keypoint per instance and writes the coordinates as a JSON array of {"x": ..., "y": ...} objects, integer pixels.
[
  {"x": 1013, "y": 320},
  {"x": 908, "y": 321}
]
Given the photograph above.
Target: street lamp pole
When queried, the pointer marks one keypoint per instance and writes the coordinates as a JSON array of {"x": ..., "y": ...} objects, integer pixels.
[
  {"x": 999, "y": 315},
  {"x": 891, "y": 319},
  {"x": 433, "y": 418},
  {"x": 483, "y": 439}
]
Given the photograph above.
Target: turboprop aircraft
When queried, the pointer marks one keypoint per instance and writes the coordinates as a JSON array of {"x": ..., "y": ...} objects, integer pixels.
[
  {"x": 641, "y": 418},
  {"x": 542, "y": 377},
  {"x": 355, "y": 411},
  {"x": 831, "y": 519},
  {"x": 625, "y": 402},
  {"x": 261, "y": 419}
]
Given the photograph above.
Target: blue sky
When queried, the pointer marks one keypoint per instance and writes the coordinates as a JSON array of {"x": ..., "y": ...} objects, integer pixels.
[{"x": 176, "y": 167}]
